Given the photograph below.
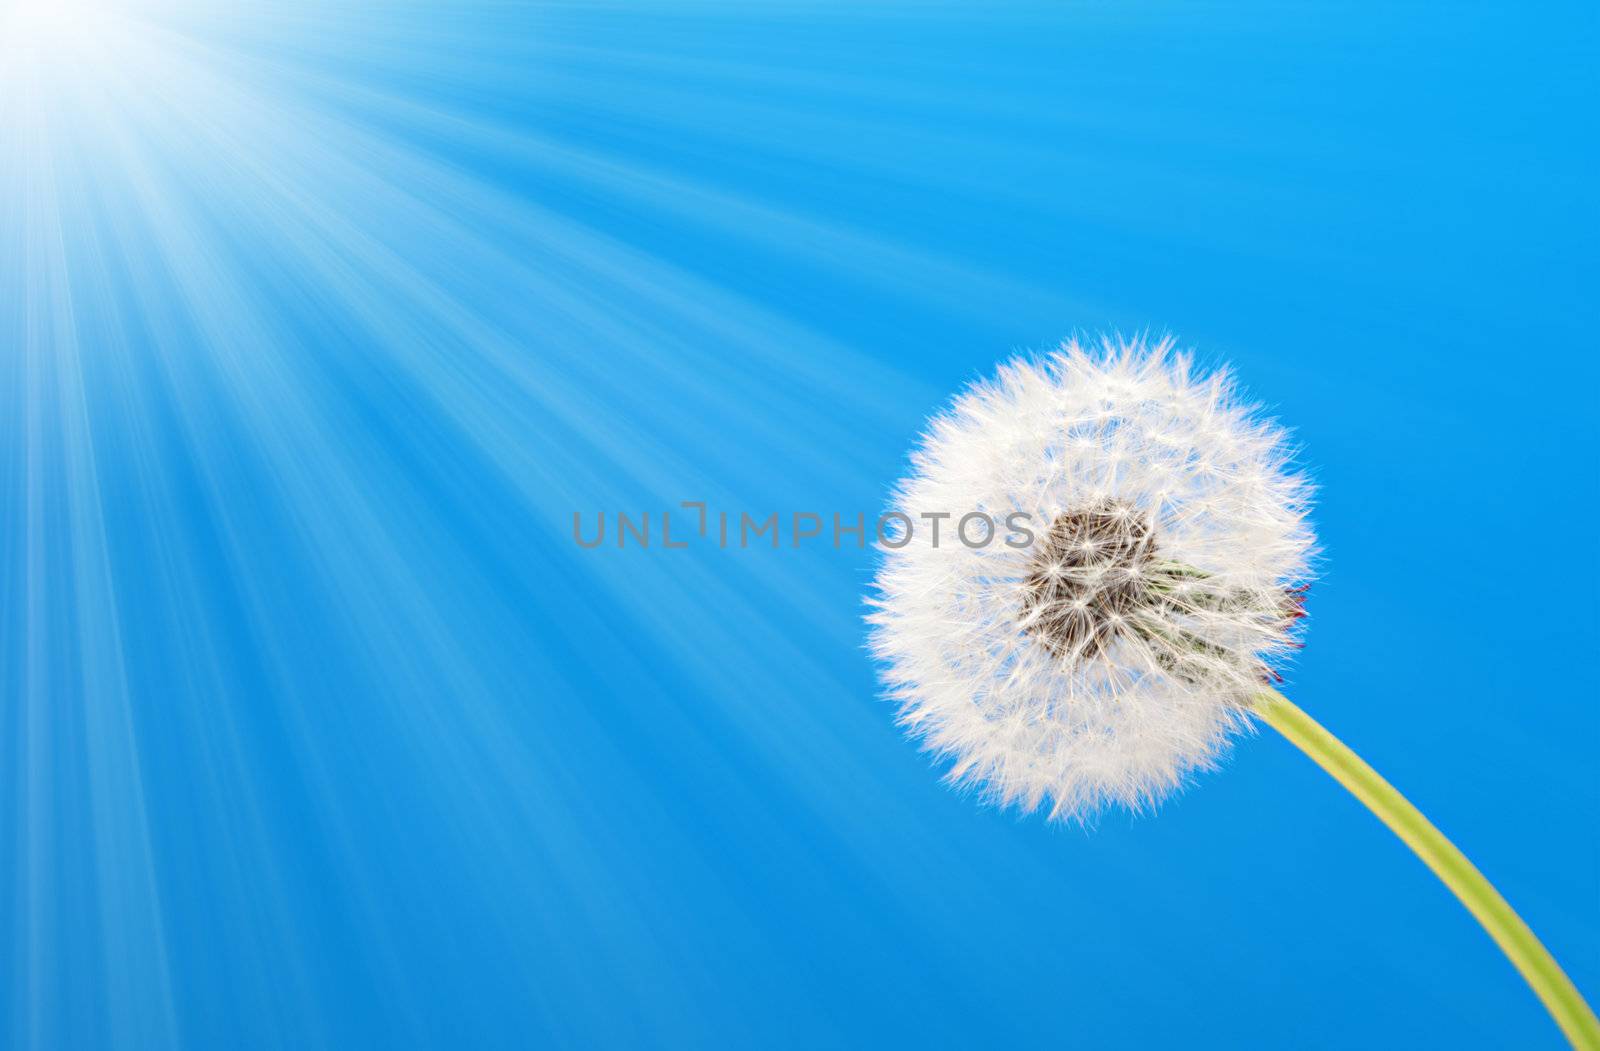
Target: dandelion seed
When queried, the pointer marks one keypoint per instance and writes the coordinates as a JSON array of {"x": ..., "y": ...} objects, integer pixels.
[
  {"x": 1132, "y": 466},
  {"x": 1165, "y": 585}
]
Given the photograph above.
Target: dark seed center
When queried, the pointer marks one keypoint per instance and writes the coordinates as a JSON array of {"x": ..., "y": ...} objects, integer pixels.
[{"x": 1087, "y": 580}]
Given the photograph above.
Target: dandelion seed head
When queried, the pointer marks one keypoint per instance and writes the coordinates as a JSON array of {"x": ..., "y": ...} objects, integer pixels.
[{"x": 1112, "y": 656}]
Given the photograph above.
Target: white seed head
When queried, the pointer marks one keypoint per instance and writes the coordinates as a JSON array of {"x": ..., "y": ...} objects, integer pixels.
[{"x": 1106, "y": 648}]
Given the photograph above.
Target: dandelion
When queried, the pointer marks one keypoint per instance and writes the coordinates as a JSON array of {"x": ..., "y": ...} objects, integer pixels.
[{"x": 1147, "y": 594}]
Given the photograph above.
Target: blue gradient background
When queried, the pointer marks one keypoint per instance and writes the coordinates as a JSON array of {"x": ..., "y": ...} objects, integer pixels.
[{"x": 318, "y": 321}]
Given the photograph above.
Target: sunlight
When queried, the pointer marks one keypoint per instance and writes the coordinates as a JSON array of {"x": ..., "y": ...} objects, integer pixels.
[{"x": 32, "y": 23}]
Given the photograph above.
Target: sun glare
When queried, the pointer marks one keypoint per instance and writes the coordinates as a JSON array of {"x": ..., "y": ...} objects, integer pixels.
[
  {"x": 43, "y": 17},
  {"x": 44, "y": 25}
]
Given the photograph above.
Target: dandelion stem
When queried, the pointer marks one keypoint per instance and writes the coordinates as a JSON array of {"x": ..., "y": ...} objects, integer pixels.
[{"x": 1538, "y": 967}]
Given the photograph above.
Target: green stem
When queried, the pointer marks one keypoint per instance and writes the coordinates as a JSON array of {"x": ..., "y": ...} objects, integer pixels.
[{"x": 1519, "y": 944}]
